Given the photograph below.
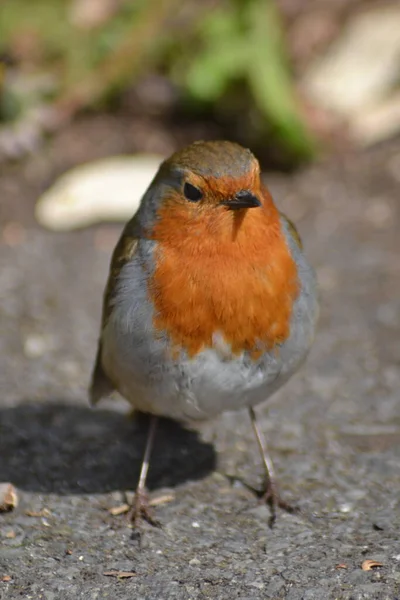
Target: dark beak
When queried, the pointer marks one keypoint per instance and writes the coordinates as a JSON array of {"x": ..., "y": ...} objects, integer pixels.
[{"x": 243, "y": 199}]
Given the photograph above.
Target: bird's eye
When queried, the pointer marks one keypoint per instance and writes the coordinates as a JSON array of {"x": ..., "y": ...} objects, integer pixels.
[{"x": 192, "y": 193}]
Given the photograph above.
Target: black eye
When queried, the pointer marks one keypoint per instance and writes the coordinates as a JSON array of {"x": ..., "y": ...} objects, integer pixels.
[{"x": 192, "y": 193}]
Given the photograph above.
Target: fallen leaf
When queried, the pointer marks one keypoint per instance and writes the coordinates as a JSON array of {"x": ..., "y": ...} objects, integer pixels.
[
  {"x": 162, "y": 500},
  {"x": 119, "y": 510},
  {"x": 6, "y": 578},
  {"x": 41, "y": 513},
  {"x": 368, "y": 565},
  {"x": 120, "y": 574},
  {"x": 341, "y": 566},
  {"x": 8, "y": 497}
]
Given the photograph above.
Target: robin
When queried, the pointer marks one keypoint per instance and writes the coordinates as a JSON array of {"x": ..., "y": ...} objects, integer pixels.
[{"x": 210, "y": 303}]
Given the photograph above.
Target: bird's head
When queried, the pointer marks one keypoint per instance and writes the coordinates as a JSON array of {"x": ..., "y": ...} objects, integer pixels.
[{"x": 212, "y": 184}]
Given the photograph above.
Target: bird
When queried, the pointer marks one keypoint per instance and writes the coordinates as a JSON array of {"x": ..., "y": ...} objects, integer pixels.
[{"x": 210, "y": 303}]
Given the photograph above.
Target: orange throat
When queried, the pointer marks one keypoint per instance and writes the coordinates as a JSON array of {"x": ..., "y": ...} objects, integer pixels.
[{"x": 223, "y": 275}]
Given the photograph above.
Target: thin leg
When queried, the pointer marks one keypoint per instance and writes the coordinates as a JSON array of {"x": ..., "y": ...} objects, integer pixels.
[
  {"x": 140, "y": 507},
  {"x": 271, "y": 494}
]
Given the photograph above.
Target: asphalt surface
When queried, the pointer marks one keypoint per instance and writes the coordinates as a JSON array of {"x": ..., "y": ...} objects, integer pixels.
[{"x": 333, "y": 431}]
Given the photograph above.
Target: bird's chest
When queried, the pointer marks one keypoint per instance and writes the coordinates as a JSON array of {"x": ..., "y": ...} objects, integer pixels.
[{"x": 228, "y": 302}]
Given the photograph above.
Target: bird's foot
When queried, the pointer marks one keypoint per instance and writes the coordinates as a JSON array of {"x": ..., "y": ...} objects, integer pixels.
[
  {"x": 272, "y": 497},
  {"x": 141, "y": 510}
]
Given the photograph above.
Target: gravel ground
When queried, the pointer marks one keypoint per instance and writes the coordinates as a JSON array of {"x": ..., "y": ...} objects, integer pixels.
[{"x": 334, "y": 430}]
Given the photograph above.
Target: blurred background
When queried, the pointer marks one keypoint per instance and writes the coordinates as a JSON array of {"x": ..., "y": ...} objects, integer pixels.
[
  {"x": 291, "y": 78},
  {"x": 296, "y": 80}
]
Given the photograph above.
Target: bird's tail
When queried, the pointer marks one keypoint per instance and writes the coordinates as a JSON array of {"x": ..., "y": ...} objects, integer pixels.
[{"x": 100, "y": 385}]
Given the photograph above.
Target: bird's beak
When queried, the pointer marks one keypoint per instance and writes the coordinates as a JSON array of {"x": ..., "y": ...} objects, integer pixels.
[{"x": 243, "y": 199}]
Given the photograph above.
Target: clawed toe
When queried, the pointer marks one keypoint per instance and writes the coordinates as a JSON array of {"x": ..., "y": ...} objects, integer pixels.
[
  {"x": 141, "y": 510},
  {"x": 272, "y": 497}
]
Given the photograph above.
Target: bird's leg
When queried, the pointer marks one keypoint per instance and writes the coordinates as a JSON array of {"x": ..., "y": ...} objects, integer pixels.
[
  {"x": 140, "y": 506},
  {"x": 271, "y": 493}
]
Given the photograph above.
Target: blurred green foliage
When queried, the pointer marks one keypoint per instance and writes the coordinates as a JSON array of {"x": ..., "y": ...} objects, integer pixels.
[{"x": 211, "y": 51}]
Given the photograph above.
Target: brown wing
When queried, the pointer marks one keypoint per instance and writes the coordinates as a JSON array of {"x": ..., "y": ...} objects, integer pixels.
[
  {"x": 125, "y": 249},
  {"x": 293, "y": 230}
]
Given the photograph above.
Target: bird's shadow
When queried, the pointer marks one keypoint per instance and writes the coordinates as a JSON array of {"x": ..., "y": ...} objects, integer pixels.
[{"x": 63, "y": 448}]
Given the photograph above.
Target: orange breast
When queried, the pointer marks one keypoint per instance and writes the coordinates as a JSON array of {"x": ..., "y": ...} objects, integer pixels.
[{"x": 222, "y": 271}]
